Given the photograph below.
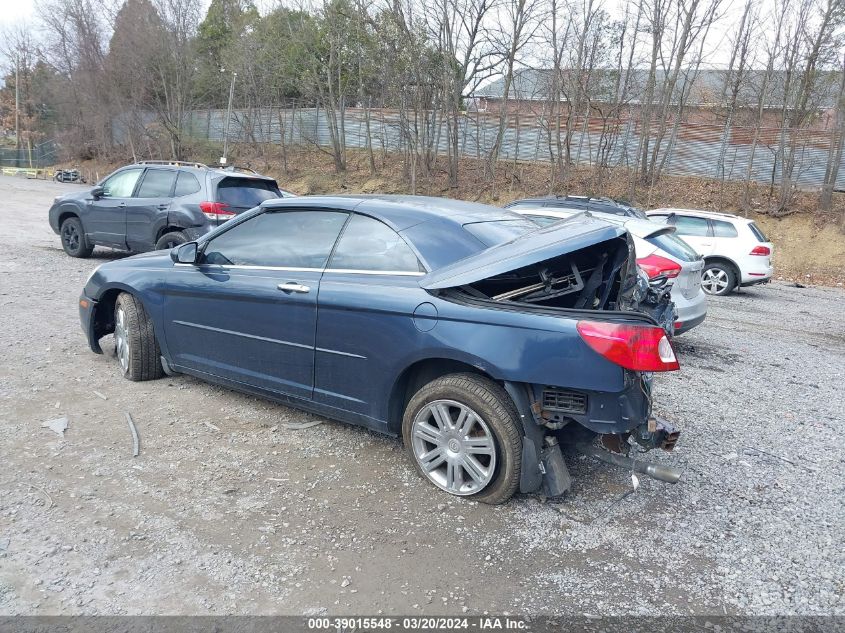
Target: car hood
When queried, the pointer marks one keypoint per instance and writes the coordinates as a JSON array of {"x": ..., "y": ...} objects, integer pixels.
[
  {"x": 79, "y": 194},
  {"x": 557, "y": 239}
]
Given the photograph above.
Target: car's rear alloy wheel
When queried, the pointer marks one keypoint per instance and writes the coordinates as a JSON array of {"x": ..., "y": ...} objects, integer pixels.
[
  {"x": 454, "y": 447},
  {"x": 73, "y": 238},
  {"x": 717, "y": 279},
  {"x": 170, "y": 240},
  {"x": 135, "y": 344},
  {"x": 463, "y": 435}
]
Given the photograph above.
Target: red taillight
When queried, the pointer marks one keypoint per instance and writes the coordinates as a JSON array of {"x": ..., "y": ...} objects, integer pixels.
[
  {"x": 761, "y": 250},
  {"x": 656, "y": 266},
  {"x": 216, "y": 210},
  {"x": 636, "y": 347}
]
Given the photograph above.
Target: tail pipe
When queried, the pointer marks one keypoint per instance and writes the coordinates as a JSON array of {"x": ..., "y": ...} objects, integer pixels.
[{"x": 655, "y": 471}]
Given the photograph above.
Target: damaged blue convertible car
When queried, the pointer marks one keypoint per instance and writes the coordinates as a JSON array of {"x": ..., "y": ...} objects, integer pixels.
[{"x": 487, "y": 342}]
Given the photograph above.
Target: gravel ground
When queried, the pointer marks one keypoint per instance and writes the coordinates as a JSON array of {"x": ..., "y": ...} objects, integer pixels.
[{"x": 227, "y": 511}]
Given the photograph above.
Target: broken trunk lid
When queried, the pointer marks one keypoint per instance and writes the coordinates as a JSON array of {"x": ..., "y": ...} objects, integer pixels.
[{"x": 557, "y": 239}]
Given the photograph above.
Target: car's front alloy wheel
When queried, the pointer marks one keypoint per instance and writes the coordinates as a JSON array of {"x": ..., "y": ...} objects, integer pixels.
[
  {"x": 121, "y": 339},
  {"x": 135, "y": 344},
  {"x": 463, "y": 434},
  {"x": 73, "y": 238}
]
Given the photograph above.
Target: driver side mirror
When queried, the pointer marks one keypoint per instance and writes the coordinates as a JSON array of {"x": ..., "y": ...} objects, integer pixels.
[
  {"x": 184, "y": 253},
  {"x": 98, "y": 192}
]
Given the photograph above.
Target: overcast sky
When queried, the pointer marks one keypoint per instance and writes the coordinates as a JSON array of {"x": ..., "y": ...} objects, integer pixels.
[
  {"x": 717, "y": 50},
  {"x": 16, "y": 10}
]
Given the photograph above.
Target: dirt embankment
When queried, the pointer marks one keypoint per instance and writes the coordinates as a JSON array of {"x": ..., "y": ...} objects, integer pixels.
[{"x": 809, "y": 245}]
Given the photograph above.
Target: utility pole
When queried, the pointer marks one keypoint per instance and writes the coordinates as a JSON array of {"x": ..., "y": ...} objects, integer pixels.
[
  {"x": 17, "y": 114},
  {"x": 228, "y": 121}
]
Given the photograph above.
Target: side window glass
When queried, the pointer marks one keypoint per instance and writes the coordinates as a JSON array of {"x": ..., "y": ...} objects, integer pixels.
[
  {"x": 724, "y": 229},
  {"x": 295, "y": 239},
  {"x": 186, "y": 184},
  {"x": 691, "y": 226},
  {"x": 122, "y": 184},
  {"x": 157, "y": 183},
  {"x": 368, "y": 244}
]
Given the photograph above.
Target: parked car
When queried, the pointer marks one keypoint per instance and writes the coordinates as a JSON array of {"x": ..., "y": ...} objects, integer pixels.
[
  {"x": 660, "y": 254},
  {"x": 154, "y": 205},
  {"x": 481, "y": 338},
  {"x": 736, "y": 252},
  {"x": 582, "y": 203}
]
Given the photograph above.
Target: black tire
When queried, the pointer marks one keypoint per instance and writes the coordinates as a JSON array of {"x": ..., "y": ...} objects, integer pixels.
[
  {"x": 73, "y": 238},
  {"x": 718, "y": 279},
  {"x": 142, "y": 353},
  {"x": 169, "y": 240},
  {"x": 495, "y": 408}
]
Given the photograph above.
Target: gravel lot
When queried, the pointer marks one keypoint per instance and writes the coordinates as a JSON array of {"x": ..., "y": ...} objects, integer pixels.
[{"x": 227, "y": 511}]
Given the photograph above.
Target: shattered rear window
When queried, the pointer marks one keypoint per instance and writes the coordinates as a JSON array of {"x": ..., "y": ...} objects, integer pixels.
[{"x": 500, "y": 231}]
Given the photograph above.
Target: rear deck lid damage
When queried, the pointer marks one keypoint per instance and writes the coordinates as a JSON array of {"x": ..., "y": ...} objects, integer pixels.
[{"x": 532, "y": 248}]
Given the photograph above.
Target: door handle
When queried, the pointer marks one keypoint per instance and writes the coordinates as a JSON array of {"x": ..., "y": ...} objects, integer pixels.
[
  {"x": 162, "y": 207},
  {"x": 292, "y": 286}
]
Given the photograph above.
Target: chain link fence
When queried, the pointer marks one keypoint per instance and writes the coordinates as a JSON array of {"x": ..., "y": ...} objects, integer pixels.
[
  {"x": 690, "y": 149},
  {"x": 34, "y": 157}
]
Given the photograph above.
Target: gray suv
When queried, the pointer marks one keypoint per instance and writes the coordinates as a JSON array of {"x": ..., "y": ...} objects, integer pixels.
[{"x": 154, "y": 205}]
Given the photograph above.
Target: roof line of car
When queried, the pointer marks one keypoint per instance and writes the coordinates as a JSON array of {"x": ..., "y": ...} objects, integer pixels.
[{"x": 698, "y": 213}]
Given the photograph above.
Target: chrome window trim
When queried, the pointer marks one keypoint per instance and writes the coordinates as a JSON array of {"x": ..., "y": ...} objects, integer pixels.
[
  {"x": 350, "y": 271},
  {"x": 249, "y": 267},
  {"x": 355, "y": 271}
]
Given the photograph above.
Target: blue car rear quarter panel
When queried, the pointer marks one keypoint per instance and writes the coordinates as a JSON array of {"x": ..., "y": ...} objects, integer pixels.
[{"x": 366, "y": 338}]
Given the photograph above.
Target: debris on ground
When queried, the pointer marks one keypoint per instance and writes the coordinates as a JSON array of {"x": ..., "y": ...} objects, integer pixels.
[
  {"x": 751, "y": 451},
  {"x": 58, "y": 425},
  {"x": 100, "y": 395},
  {"x": 299, "y": 426},
  {"x": 135, "y": 441},
  {"x": 48, "y": 500},
  {"x": 211, "y": 426}
]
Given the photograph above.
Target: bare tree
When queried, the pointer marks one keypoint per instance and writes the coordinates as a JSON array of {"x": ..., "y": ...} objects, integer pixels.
[
  {"x": 463, "y": 36},
  {"x": 803, "y": 58},
  {"x": 837, "y": 142},
  {"x": 173, "y": 69},
  {"x": 517, "y": 28},
  {"x": 74, "y": 42},
  {"x": 691, "y": 20}
]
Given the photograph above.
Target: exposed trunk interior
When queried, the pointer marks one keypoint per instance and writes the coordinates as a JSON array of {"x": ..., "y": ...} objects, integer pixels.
[{"x": 599, "y": 277}]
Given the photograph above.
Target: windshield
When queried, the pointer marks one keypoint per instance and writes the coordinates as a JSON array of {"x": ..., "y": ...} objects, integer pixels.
[
  {"x": 500, "y": 231},
  {"x": 675, "y": 246},
  {"x": 246, "y": 193}
]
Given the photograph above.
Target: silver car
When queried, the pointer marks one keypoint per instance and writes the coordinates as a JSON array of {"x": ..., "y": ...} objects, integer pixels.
[{"x": 661, "y": 255}]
